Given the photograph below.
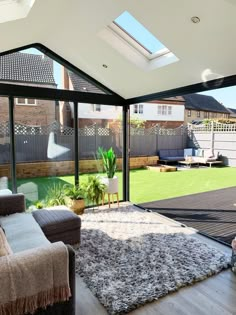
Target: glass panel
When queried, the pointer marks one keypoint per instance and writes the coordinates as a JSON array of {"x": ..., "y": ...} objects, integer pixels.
[
  {"x": 44, "y": 139},
  {"x": 99, "y": 129},
  {"x": 5, "y": 170},
  {"x": 139, "y": 32}
]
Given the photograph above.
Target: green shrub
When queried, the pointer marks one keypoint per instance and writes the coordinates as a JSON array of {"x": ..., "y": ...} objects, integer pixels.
[{"x": 55, "y": 195}]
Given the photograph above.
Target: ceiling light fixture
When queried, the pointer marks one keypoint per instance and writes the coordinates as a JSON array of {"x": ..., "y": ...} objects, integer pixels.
[
  {"x": 105, "y": 66},
  {"x": 195, "y": 19}
]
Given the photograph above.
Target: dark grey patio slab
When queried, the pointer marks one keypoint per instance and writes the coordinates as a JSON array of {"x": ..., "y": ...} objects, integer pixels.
[{"x": 212, "y": 213}]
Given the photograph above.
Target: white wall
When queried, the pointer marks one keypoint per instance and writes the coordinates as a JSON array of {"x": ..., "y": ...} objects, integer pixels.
[
  {"x": 150, "y": 112},
  {"x": 107, "y": 111},
  {"x": 114, "y": 112}
]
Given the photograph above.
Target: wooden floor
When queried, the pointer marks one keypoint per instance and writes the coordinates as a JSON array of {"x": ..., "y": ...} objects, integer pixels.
[
  {"x": 213, "y": 296},
  {"x": 212, "y": 213}
]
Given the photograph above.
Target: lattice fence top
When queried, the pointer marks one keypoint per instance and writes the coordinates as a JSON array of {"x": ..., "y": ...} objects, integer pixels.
[
  {"x": 213, "y": 127},
  {"x": 4, "y": 129},
  {"x": 156, "y": 130},
  {"x": 94, "y": 130},
  {"x": 21, "y": 129}
]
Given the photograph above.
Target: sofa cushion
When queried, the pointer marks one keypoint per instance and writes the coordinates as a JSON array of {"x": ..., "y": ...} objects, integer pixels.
[
  {"x": 5, "y": 248},
  {"x": 22, "y": 232},
  {"x": 180, "y": 152}
]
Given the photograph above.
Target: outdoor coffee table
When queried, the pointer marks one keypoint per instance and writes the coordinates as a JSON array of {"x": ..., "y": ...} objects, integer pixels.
[{"x": 188, "y": 163}]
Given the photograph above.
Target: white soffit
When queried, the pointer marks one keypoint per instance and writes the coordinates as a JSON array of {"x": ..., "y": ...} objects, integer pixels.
[{"x": 73, "y": 30}]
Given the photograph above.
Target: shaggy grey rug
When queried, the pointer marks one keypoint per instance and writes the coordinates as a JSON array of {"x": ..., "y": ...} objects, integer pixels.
[{"x": 128, "y": 258}]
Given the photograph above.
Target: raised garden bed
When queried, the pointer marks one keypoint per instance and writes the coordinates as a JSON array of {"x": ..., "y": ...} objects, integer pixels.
[{"x": 162, "y": 168}]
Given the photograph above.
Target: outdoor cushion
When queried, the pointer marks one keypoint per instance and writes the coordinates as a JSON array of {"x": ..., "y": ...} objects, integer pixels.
[
  {"x": 22, "y": 232},
  {"x": 163, "y": 153},
  {"x": 180, "y": 152}
]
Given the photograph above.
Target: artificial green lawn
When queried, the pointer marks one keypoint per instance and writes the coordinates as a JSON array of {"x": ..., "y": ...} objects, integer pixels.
[{"x": 147, "y": 185}]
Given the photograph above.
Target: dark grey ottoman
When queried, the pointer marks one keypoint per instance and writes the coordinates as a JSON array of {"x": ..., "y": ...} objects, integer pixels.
[{"x": 59, "y": 225}]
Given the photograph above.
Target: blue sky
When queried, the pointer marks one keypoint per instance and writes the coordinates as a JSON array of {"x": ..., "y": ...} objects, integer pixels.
[
  {"x": 227, "y": 96},
  {"x": 139, "y": 32}
]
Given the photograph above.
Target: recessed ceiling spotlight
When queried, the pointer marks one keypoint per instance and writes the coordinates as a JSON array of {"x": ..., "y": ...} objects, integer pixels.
[
  {"x": 195, "y": 19},
  {"x": 84, "y": 88},
  {"x": 105, "y": 66}
]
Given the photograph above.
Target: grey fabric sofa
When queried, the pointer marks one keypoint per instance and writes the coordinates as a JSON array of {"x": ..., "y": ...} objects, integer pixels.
[{"x": 28, "y": 234}]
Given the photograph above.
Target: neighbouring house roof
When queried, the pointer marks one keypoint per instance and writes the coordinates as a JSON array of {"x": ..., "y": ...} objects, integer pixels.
[
  {"x": 176, "y": 100},
  {"x": 81, "y": 85},
  {"x": 232, "y": 112},
  {"x": 201, "y": 102},
  {"x": 24, "y": 67}
]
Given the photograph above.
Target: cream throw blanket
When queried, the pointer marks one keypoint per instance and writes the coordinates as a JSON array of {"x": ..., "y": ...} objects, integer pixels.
[{"x": 34, "y": 278}]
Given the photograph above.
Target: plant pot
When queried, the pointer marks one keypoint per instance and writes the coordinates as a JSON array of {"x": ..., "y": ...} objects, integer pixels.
[
  {"x": 112, "y": 185},
  {"x": 77, "y": 206}
]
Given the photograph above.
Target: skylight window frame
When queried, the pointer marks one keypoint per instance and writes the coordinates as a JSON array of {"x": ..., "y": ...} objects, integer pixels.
[{"x": 121, "y": 32}]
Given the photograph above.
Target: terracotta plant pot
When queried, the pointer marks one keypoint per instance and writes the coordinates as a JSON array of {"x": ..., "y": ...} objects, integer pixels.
[{"x": 77, "y": 206}]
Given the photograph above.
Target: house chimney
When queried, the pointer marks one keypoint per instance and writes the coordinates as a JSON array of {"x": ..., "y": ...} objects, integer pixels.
[{"x": 65, "y": 79}]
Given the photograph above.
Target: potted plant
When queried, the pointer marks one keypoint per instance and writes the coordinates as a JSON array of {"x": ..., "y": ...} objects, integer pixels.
[
  {"x": 94, "y": 189},
  {"x": 75, "y": 198},
  {"x": 109, "y": 164}
]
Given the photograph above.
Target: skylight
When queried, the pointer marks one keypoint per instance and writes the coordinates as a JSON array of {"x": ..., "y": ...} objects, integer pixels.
[
  {"x": 138, "y": 33},
  {"x": 14, "y": 9}
]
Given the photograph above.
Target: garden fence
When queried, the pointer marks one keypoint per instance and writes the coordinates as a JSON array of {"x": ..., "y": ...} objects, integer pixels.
[
  {"x": 32, "y": 142},
  {"x": 217, "y": 137}
]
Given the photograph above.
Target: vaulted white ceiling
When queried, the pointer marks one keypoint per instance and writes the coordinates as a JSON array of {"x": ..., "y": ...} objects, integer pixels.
[{"x": 76, "y": 30}]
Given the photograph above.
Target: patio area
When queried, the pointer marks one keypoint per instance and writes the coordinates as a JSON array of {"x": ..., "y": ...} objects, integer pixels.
[{"x": 211, "y": 213}]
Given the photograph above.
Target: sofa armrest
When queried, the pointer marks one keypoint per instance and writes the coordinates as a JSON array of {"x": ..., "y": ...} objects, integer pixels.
[{"x": 10, "y": 204}]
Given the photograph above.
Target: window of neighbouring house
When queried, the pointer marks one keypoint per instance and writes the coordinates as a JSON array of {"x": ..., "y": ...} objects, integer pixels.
[
  {"x": 189, "y": 113},
  {"x": 198, "y": 114},
  {"x": 206, "y": 115},
  {"x": 163, "y": 110},
  {"x": 96, "y": 107},
  {"x": 213, "y": 115},
  {"x": 26, "y": 101},
  {"x": 138, "y": 109},
  {"x": 136, "y": 34}
]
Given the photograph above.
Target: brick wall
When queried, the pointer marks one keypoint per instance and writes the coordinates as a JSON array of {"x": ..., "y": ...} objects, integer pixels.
[
  {"x": 30, "y": 170},
  {"x": 203, "y": 114},
  {"x": 43, "y": 113}
]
